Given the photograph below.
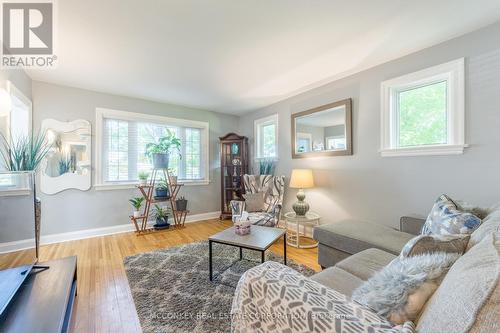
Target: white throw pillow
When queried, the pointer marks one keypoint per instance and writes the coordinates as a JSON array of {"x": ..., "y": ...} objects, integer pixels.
[{"x": 254, "y": 202}]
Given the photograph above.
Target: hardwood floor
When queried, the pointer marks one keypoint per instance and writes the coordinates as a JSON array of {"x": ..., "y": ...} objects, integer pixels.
[{"x": 104, "y": 302}]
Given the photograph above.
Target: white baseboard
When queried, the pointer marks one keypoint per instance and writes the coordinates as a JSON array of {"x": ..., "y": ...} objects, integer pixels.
[{"x": 88, "y": 233}]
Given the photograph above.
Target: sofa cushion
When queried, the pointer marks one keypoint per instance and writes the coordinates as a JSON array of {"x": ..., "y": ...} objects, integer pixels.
[
  {"x": 338, "y": 279},
  {"x": 490, "y": 225},
  {"x": 466, "y": 289},
  {"x": 354, "y": 236},
  {"x": 446, "y": 218},
  {"x": 366, "y": 263},
  {"x": 328, "y": 256},
  {"x": 487, "y": 319}
]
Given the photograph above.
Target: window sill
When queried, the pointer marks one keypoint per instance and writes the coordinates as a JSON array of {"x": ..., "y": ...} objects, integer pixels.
[
  {"x": 14, "y": 192},
  {"x": 126, "y": 186},
  {"x": 273, "y": 158},
  {"x": 424, "y": 151}
]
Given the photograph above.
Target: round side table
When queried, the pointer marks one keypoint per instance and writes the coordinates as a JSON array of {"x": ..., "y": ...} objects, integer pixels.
[{"x": 296, "y": 227}]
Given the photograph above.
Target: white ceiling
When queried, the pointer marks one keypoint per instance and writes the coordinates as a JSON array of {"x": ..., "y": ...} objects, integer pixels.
[{"x": 235, "y": 56}]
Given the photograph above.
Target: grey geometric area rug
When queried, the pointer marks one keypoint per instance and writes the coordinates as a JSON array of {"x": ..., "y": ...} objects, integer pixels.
[{"x": 172, "y": 291}]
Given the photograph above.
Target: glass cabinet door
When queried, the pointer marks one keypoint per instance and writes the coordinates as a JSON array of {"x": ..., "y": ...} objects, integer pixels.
[{"x": 232, "y": 166}]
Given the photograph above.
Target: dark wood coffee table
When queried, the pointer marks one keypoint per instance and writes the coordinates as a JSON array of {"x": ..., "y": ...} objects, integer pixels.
[{"x": 259, "y": 239}]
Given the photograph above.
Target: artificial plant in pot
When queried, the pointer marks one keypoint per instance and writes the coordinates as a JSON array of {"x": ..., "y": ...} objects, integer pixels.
[
  {"x": 161, "y": 189},
  {"x": 181, "y": 204},
  {"x": 137, "y": 203},
  {"x": 160, "y": 151},
  {"x": 143, "y": 177},
  {"x": 267, "y": 166},
  {"x": 161, "y": 216},
  {"x": 25, "y": 153}
]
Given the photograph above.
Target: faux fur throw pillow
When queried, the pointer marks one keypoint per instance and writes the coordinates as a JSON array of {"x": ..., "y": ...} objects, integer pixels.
[
  {"x": 466, "y": 207},
  {"x": 400, "y": 290},
  {"x": 435, "y": 243},
  {"x": 254, "y": 202}
]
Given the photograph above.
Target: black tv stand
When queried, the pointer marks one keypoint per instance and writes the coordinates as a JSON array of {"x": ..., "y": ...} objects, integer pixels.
[
  {"x": 43, "y": 267},
  {"x": 44, "y": 302}
]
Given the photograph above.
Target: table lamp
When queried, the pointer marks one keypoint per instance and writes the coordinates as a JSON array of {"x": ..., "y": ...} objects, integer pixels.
[{"x": 301, "y": 179}]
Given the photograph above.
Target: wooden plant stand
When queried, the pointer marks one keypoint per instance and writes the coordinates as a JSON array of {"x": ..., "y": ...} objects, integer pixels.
[{"x": 147, "y": 192}]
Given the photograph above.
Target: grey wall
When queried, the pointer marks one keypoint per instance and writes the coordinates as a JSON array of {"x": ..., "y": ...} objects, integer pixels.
[
  {"x": 369, "y": 187},
  {"x": 317, "y": 133},
  {"x": 76, "y": 210},
  {"x": 334, "y": 130}
]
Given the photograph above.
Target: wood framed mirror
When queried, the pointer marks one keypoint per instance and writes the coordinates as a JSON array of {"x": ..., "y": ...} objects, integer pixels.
[{"x": 323, "y": 131}]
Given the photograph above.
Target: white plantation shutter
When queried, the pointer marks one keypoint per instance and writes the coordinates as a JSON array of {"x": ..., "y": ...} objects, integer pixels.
[
  {"x": 116, "y": 150},
  {"x": 123, "y": 149}
]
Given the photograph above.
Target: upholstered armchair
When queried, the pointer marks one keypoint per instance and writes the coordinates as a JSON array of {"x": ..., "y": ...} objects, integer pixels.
[{"x": 274, "y": 188}]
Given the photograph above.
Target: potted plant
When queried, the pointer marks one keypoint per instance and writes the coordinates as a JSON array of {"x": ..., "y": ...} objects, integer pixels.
[
  {"x": 161, "y": 190},
  {"x": 64, "y": 166},
  {"x": 172, "y": 178},
  {"x": 267, "y": 166},
  {"x": 137, "y": 203},
  {"x": 143, "y": 177},
  {"x": 161, "y": 216},
  {"x": 25, "y": 153},
  {"x": 181, "y": 203},
  {"x": 160, "y": 151}
]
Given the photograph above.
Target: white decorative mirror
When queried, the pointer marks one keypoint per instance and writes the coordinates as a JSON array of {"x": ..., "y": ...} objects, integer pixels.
[{"x": 68, "y": 164}]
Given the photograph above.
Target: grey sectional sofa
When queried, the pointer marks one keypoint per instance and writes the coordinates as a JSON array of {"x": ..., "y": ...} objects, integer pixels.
[
  {"x": 467, "y": 300},
  {"x": 339, "y": 240}
]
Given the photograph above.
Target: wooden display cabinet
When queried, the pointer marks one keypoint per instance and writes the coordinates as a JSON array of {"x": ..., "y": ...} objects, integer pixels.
[{"x": 234, "y": 164}]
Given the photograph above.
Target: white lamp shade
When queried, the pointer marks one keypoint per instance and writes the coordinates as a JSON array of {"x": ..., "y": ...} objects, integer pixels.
[
  {"x": 5, "y": 102},
  {"x": 301, "y": 178}
]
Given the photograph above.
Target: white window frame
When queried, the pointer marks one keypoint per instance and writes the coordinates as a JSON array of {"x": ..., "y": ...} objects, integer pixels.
[
  {"x": 21, "y": 186},
  {"x": 333, "y": 137},
  {"x": 12, "y": 90},
  {"x": 453, "y": 73},
  {"x": 102, "y": 113},
  {"x": 307, "y": 136},
  {"x": 257, "y": 127}
]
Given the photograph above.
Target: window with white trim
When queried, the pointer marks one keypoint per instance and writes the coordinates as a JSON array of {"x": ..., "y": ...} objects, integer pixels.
[
  {"x": 266, "y": 137},
  {"x": 15, "y": 125},
  {"x": 123, "y": 136},
  {"x": 423, "y": 112}
]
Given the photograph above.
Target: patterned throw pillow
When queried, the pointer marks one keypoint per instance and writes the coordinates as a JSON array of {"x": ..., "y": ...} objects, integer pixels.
[
  {"x": 254, "y": 202},
  {"x": 445, "y": 218},
  {"x": 435, "y": 243},
  {"x": 400, "y": 290}
]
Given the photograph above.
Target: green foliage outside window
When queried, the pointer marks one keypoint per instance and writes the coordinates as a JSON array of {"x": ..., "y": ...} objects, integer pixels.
[
  {"x": 423, "y": 115},
  {"x": 269, "y": 140}
]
